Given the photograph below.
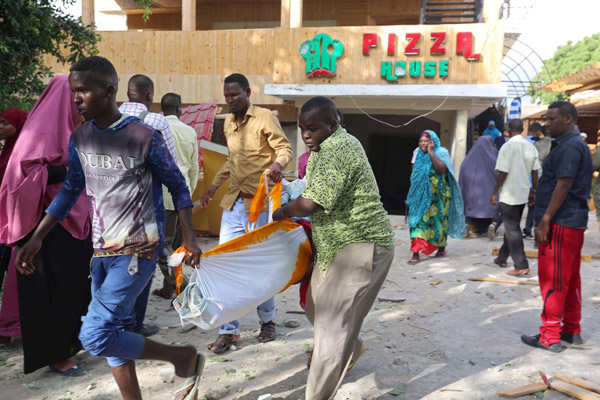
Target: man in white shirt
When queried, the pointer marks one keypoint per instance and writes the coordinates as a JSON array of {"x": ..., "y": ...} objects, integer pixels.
[
  {"x": 517, "y": 161},
  {"x": 186, "y": 144},
  {"x": 140, "y": 92}
]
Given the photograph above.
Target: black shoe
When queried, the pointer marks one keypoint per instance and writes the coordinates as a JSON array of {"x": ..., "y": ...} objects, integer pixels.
[
  {"x": 147, "y": 330},
  {"x": 571, "y": 338},
  {"x": 534, "y": 341}
]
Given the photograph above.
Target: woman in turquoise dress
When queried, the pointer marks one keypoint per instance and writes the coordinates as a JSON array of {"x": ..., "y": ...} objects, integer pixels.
[{"x": 434, "y": 200}]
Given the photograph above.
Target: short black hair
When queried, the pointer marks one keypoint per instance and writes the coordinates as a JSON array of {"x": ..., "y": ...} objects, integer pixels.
[
  {"x": 239, "y": 79},
  {"x": 535, "y": 127},
  {"x": 142, "y": 83},
  {"x": 99, "y": 66},
  {"x": 328, "y": 110},
  {"x": 565, "y": 108},
  {"x": 516, "y": 125},
  {"x": 170, "y": 102}
]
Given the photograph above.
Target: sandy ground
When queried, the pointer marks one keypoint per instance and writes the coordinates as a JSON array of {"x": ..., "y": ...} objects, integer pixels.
[{"x": 455, "y": 340}]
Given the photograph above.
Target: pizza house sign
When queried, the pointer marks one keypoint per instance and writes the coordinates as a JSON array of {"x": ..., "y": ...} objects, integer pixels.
[{"x": 322, "y": 52}]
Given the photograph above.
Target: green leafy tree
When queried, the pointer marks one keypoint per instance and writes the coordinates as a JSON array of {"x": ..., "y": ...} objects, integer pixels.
[
  {"x": 566, "y": 60},
  {"x": 30, "y": 30},
  {"x": 146, "y": 5}
]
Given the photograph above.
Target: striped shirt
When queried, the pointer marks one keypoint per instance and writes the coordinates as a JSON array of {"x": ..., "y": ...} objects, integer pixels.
[{"x": 156, "y": 121}]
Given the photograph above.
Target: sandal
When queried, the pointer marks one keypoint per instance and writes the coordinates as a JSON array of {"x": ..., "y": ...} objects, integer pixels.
[
  {"x": 414, "y": 261},
  {"x": 356, "y": 356},
  {"x": 223, "y": 343},
  {"x": 189, "y": 387},
  {"x": 519, "y": 273},
  {"x": 501, "y": 264},
  {"x": 267, "y": 332}
]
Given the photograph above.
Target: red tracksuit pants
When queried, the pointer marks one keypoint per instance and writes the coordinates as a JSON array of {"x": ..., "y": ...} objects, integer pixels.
[{"x": 559, "y": 263}]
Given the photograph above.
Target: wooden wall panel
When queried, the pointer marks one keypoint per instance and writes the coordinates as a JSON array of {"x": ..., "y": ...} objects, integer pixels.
[{"x": 194, "y": 64}]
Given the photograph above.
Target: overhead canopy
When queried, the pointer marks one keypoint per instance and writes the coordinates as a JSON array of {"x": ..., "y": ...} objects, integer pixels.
[{"x": 584, "y": 79}]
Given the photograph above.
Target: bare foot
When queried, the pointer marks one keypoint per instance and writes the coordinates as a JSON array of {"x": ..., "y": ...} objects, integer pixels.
[
  {"x": 64, "y": 365},
  {"x": 185, "y": 366}
]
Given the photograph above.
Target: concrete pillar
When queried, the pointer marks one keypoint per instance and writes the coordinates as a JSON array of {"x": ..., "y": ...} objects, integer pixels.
[
  {"x": 188, "y": 15},
  {"x": 87, "y": 12},
  {"x": 291, "y": 13},
  {"x": 458, "y": 144}
]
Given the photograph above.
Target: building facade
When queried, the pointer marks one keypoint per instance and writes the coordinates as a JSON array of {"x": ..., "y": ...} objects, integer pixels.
[{"x": 393, "y": 67}]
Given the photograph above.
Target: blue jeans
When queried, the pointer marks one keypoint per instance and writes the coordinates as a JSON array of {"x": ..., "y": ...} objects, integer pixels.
[
  {"x": 117, "y": 281},
  {"x": 529, "y": 221},
  {"x": 141, "y": 304},
  {"x": 233, "y": 224}
]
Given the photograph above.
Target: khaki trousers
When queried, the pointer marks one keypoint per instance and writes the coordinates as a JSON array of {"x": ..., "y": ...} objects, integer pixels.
[{"x": 337, "y": 302}]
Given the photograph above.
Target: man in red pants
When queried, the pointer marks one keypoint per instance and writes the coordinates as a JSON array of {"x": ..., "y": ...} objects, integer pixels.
[{"x": 561, "y": 214}]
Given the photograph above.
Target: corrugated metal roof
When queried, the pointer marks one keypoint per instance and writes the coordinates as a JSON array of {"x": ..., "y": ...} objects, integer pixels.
[{"x": 200, "y": 117}]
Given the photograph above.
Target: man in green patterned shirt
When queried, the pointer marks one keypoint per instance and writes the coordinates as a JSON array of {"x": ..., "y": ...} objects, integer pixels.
[{"x": 354, "y": 242}]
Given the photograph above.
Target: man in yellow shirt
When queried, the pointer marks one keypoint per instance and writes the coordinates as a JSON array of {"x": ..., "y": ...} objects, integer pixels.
[{"x": 256, "y": 142}]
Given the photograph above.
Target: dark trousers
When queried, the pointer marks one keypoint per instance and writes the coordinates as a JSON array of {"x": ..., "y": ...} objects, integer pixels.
[
  {"x": 529, "y": 221},
  {"x": 513, "y": 236}
]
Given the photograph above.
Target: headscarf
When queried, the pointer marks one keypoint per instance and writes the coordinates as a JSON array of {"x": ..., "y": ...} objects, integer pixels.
[
  {"x": 493, "y": 132},
  {"x": 420, "y": 196},
  {"x": 16, "y": 117},
  {"x": 477, "y": 179},
  {"x": 43, "y": 142}
]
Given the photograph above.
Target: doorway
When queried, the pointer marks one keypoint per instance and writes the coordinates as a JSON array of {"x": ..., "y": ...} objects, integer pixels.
[{"x": 390, "y": 151}]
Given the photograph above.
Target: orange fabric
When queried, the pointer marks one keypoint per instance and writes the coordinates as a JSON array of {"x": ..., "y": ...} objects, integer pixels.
[
  {"x": 178, "y": 270},
  {"x": 258, "y": 202}
]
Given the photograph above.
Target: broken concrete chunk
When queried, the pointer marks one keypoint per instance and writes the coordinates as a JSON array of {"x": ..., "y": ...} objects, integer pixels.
[{"x": 292, "y": 323}]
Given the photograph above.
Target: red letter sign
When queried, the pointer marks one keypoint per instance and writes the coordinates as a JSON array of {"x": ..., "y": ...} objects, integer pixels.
[
  {"x": 464, "y": 45},
  {"x": 369, "y": 40},
  {"x": 391, "y": 44},
  {"x": 436, "y": 47},
  {"x": 413, "y": 39}
]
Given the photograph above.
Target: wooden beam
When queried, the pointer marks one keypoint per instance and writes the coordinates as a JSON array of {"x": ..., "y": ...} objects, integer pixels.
[
  {"x": 498, "y": 280},
  {"x": 87, "y": 12},
  {"x": 285, "y": 14},
  {"x": 523, "y": 390},
  {"x": 188, "y": 15},
  {"x": 534, "y": 254},
  {"x": 291, "y": 13},
  {"x": 296, "y": 7},
  {"x": 579, "y": 382},
  {"x": 574, "y": 391}
]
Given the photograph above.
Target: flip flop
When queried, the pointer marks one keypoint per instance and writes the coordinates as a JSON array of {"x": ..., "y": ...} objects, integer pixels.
[
  {"x": 362, "y": 350},
  {"x": 193, "y": 381},
  {"x": 442, "y": 254},
  {"x": 413, "y": 261},
  {"x": 518, "y": 274},
  {"x": 75, "y": 370}
]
